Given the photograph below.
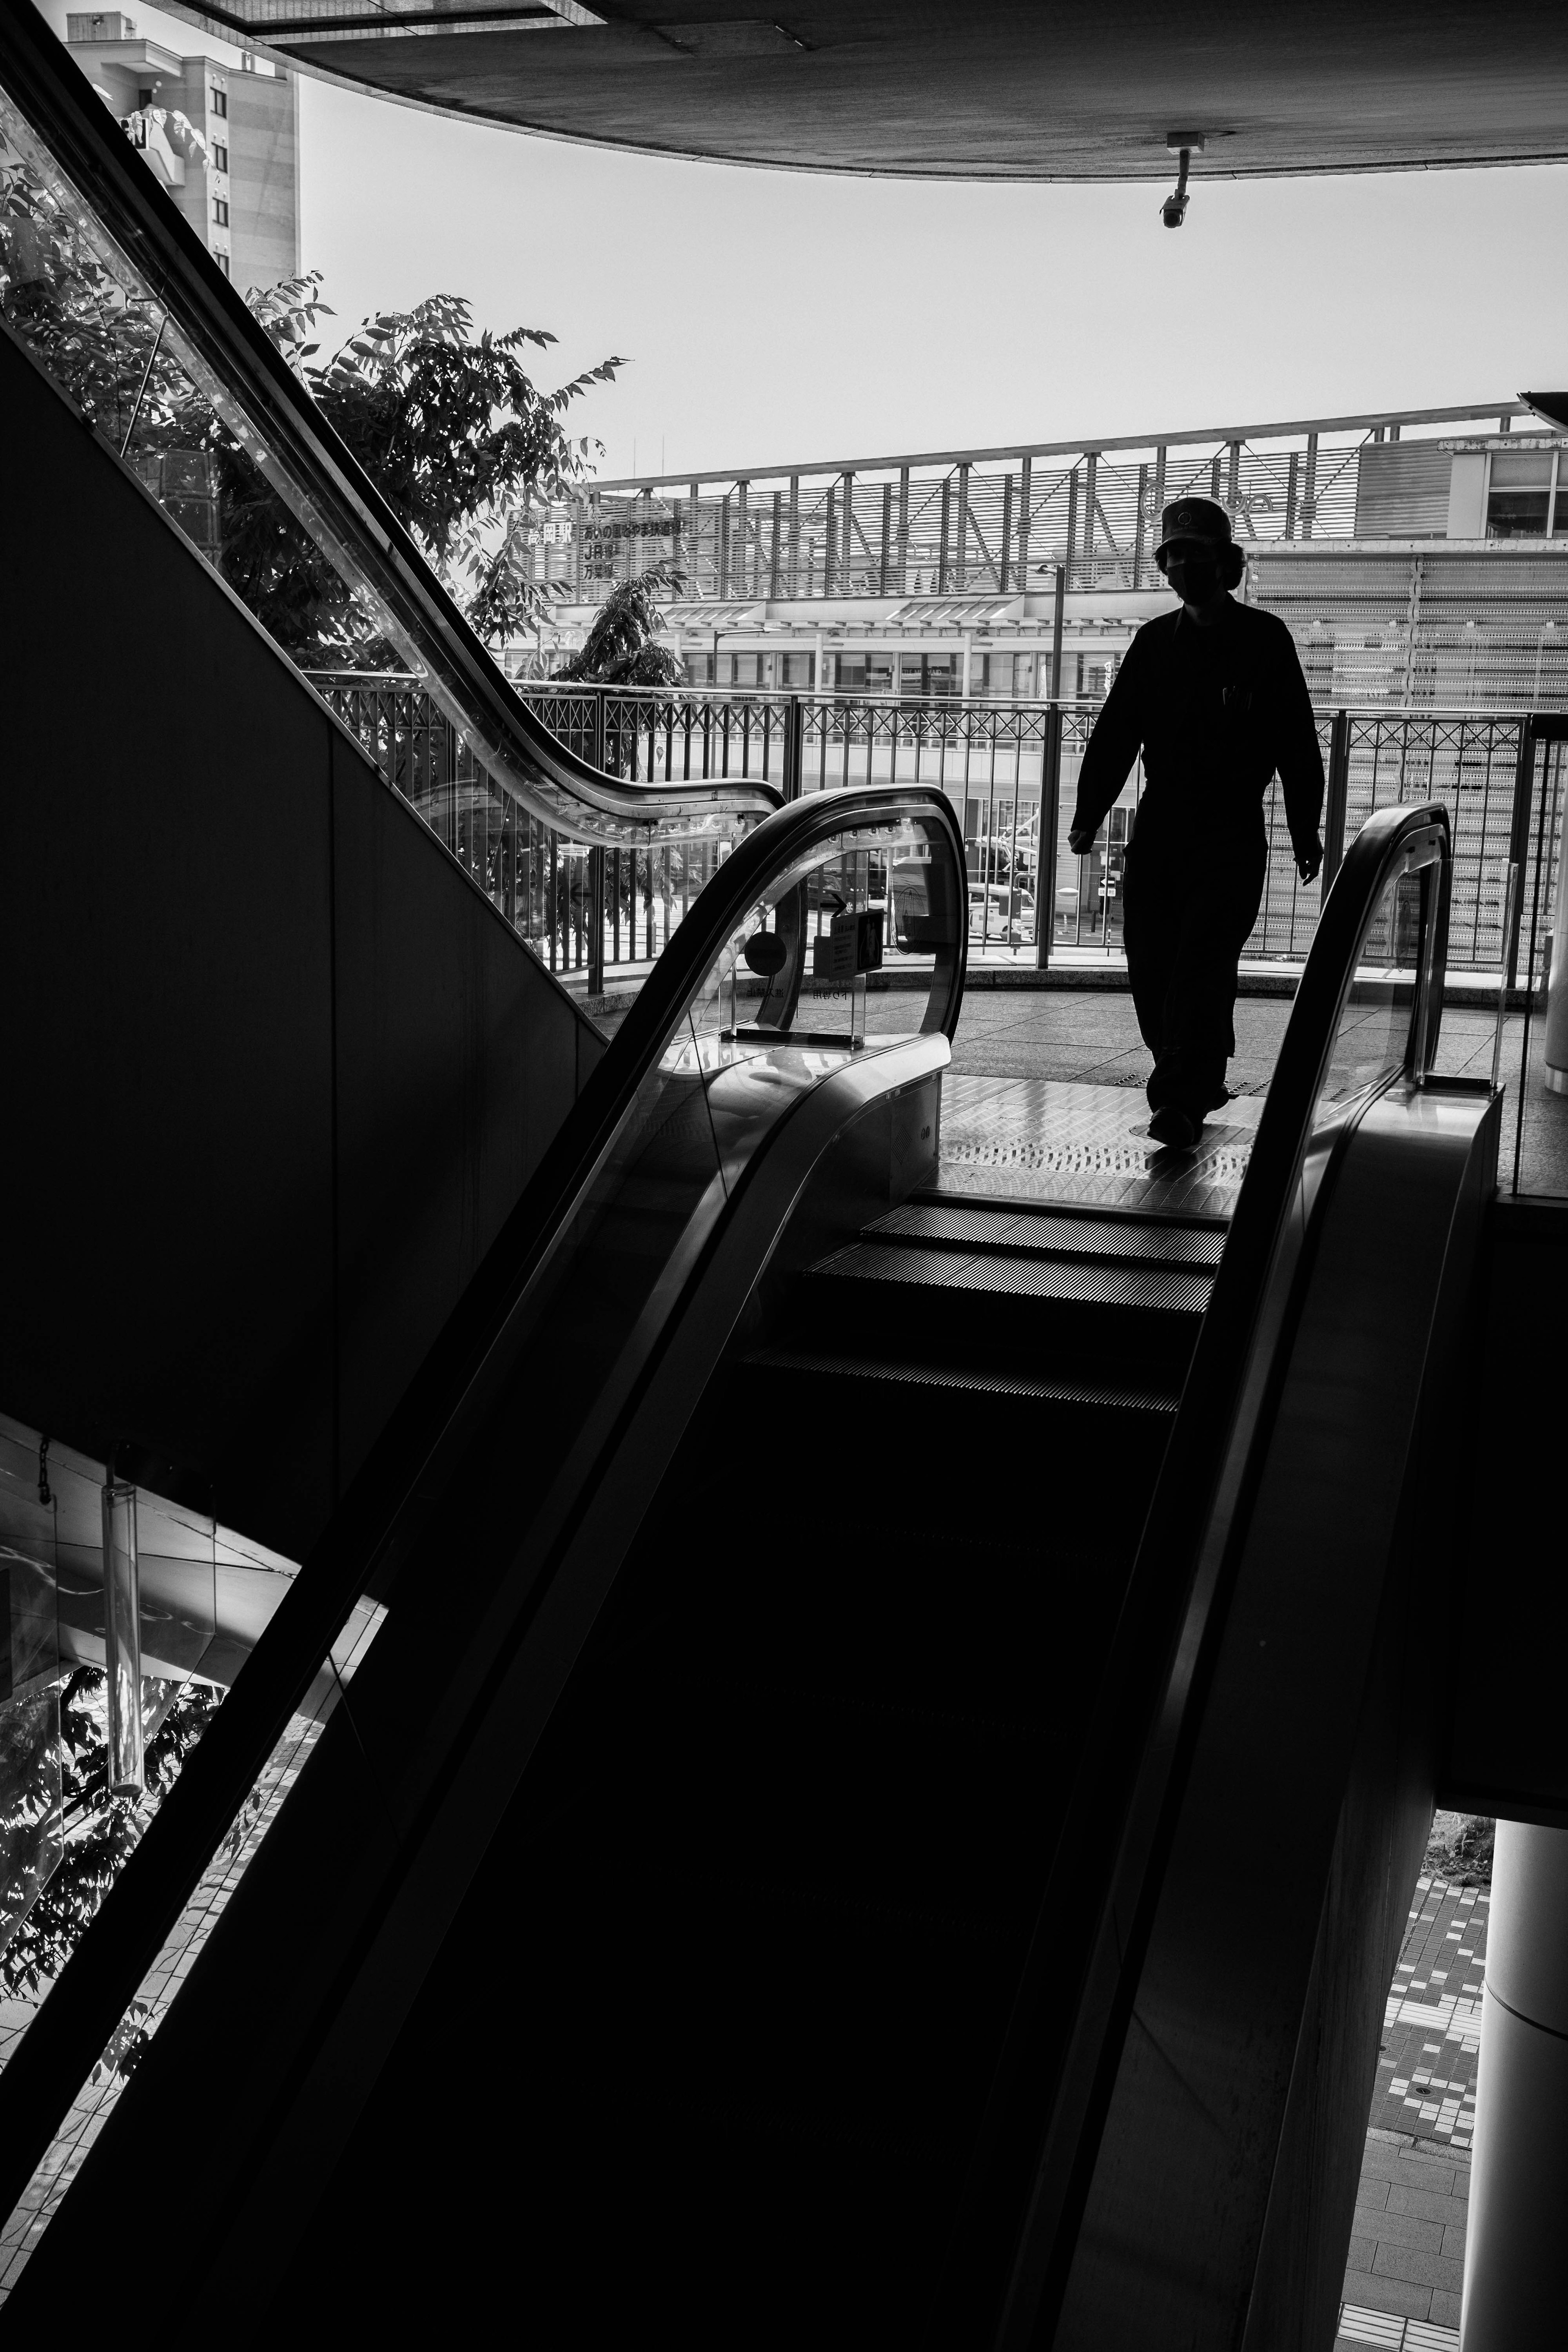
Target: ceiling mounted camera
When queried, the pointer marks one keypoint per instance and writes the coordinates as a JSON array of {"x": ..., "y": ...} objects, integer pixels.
[{"x": 1183, "y": 145}]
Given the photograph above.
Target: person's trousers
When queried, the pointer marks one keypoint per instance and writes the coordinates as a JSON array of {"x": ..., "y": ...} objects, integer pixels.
[{"x": 1185, "y": 919}]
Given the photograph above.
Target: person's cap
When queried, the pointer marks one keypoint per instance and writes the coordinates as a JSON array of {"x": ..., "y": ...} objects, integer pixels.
[{"x": 1195, "y": 518}]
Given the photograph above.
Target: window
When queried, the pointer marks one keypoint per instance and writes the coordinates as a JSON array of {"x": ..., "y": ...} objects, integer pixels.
[
  {"x": 1519, "y": 494},
  {"x": 222, "y": 260},
  {"x": 220, "y": 159},
  {"x": 219, "y": 98},
  {"x": 797, "y": 668},
  {"x": 220, "y": 211}
]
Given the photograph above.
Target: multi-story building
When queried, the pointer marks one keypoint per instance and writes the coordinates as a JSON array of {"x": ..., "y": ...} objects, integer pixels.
[
  {"x": 1419, "y": 563},
  {"x": 237, "y": 180}
]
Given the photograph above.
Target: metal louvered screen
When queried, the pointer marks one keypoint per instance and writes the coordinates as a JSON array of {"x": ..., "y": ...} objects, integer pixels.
[
  {"x": 997, "y": 522},
  {"x": 1419, "y": 628}
]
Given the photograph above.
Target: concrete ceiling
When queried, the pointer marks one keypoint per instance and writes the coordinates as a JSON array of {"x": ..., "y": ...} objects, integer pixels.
[{"x": 1031, "y": 89}]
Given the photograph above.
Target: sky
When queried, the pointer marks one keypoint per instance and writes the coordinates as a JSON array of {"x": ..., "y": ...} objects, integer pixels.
[{"x": 776, "y": 316}]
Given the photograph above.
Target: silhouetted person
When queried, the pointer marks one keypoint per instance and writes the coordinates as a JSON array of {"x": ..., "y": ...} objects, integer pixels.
[{"x": 1214, "y": 695}]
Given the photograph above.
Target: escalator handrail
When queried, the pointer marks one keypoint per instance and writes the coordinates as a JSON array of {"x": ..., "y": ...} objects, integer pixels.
[
  {"x": 1157, "y": 1620},
  {"x": 92, "y": 151},
  {"x": 392, "y": 1495}
]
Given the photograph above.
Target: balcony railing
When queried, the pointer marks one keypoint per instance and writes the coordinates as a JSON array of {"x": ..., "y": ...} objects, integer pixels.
[
  {"x": 1011, "y": 771},
  {"x": 1002, "y": 764}
]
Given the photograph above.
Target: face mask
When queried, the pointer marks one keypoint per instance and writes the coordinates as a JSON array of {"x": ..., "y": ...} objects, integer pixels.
[{"x": 1194, "y": 578}]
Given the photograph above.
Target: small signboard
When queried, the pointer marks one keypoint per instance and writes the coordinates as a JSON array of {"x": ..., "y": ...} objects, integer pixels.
[{"x": 853, "y": 945}]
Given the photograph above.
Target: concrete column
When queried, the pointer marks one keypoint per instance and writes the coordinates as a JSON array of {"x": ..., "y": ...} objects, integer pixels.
[{"x": 1518, "y": 2181}]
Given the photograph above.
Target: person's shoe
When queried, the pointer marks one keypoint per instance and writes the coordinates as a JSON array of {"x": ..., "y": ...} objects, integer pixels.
[{"x": 1173, "y": 1128}]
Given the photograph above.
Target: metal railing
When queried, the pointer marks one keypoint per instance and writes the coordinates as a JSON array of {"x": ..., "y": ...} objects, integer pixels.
[{"x": 1011, "y": 771}]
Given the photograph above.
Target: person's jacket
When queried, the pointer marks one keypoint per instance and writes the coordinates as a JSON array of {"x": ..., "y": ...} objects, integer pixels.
[{"x": 1215, "y": 713}]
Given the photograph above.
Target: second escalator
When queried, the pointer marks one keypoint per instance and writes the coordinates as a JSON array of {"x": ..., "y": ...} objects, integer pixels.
[{"x": 760, "y": 1911}]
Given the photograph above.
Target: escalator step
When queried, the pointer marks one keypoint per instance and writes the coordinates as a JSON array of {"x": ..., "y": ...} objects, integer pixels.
[
  {"x": 1149, "y": 1288},
  {"x": 1005, "y": 1232},
  {"x": 1027, "y": 1205},
  {"x": 1094, "y": 1396}
]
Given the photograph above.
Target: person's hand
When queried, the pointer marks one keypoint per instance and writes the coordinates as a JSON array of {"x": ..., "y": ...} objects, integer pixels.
[
  {"x": 1309, "y": 861},
  {"x": 1080, "y": 841}
]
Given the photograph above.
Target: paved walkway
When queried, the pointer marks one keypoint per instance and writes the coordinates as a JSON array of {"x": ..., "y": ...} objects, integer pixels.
[
  {"x": 1407, "y": 2254},
  {"x": 1091, "y": 1035},
  {"x": 1406, "y": 2266}
]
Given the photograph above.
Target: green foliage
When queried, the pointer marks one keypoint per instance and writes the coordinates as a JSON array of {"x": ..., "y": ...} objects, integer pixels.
[
  {"x": 99, "y": 1830},
  {"x": 448, "y": 424},
  {"x": 622, "y": 647},
  {"x": 455, "y": 435},
  {"x": 96, "y": 334}
]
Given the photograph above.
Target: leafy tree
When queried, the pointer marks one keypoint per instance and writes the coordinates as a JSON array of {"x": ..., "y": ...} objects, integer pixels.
[
  {"x": 448, "y": 424},
  {"x": 98, "y": 338},
  {"x": 455, "y": 435},
  {"x": 623, "y": 648},
  {"x": 99, "y": 1830}
]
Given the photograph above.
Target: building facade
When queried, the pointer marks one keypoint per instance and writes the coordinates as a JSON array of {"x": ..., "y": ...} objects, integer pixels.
[
  {"x": 223, "y": 140},
  {"x": 1418, "y": 564}
]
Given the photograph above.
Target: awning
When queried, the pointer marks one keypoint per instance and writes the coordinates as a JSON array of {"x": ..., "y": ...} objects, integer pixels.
[
  {"x": 712, "y": 613},
  {"x": 955, "y": 612}
]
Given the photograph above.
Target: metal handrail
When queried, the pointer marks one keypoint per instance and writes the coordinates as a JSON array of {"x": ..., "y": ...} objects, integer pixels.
[
  {"x": 393, "y": 1495},
  {"x": 317, "y": 472},
  {"x": 1053, "y": 2085}
]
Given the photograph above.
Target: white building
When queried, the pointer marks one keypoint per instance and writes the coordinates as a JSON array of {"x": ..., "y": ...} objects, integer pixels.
[{"x": 223, "y": 140}]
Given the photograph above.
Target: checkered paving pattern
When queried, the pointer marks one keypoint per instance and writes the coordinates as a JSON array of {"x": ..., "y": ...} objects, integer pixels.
[
  {"x": 1432, "y": 2027},
  {"x": 1053, "y": 1140}
]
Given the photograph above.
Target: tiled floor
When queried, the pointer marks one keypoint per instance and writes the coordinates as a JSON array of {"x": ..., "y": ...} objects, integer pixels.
[
  {"x": 1407, "y": 2264},
  {"x": 1406, "y": 2269},
  {"x": 1427, "y": 2074}
]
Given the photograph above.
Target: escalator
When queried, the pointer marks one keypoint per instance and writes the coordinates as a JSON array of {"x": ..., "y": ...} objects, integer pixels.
[
  {"x": 115, "y": 297},
  {"x": 896, "y": 1747}
]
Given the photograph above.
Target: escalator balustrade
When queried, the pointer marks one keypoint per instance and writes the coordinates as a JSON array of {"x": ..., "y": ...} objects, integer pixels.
[{"x": 774, "y": 1877}]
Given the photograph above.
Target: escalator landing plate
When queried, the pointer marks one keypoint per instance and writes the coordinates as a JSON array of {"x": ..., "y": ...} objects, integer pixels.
[{"x": 1046, "y": 1140}]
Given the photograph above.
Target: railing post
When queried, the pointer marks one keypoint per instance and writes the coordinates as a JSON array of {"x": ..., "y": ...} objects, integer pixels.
[
  {"x": 1338, "y": 799},
  {"x": 1519, "y": 842},
  {"x": 598, "y": 693},
  {"x": 794, "y": 746},
  {"x": 1058, "y": 618},
  {"x": 596, "y": 922},
  {"x": 1046, "y": 840}
]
